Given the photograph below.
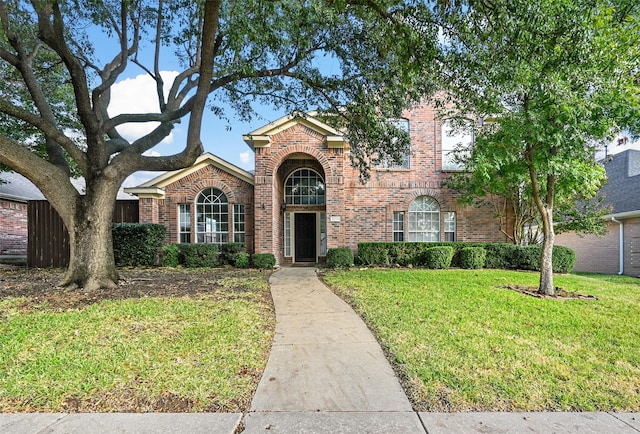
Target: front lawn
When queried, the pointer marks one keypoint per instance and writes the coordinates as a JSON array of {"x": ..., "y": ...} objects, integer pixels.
[
  {"x": 460, "y": 341},
  {"x": 164, "y": 340}
]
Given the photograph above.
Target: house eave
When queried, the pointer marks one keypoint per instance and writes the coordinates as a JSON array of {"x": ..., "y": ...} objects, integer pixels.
[
  {"x": 146, "y": 192},
  {"x": 205, "y": 159},
  {"x": 257, "y": 141},
  {"x": 623, "y": 215}
]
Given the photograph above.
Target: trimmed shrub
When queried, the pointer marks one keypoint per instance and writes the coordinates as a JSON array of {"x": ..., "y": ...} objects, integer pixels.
[
  {"x": 199, "y": 255},
  {"x": 472, "y": 257},
  {"x": 137, "y": 244},
  {"x": 438, "y": 257},
  {"x": 339, "y": 257},
  {"x": 501, "y": 255},
  {"x": 373, "y": 254},
  {"x": 229, "y": 253},
  {"x": 242, "y": 260},
  {"x": 564, "y": 259},
  {"x": 528, "y": 257},
  {"x": 263, "y": 260},
  {"x": 170, "y": 255}
]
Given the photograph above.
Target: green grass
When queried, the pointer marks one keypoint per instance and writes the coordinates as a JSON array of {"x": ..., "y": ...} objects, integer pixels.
[
  {"x": 461, "y": 342},
  {"x": 202, "y": 353}
]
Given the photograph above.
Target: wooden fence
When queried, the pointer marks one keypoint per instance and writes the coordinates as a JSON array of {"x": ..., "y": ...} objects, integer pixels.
[{"x": 48, "y": 239}]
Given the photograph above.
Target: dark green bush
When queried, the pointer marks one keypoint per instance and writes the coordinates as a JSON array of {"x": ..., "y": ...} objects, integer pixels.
[
  {"x": 170, "y": 255},
  {"x": 263, "y": 260},
  {"x": 339, "y": 257},
  {"x": 528, "y": 257},
  {"x": 373, "y": 254},
  {"x": 242, "y": 260},
  {"x": 472, "y": 257},
  {"x": 199, "y": 255},
  {"x": 229, "y": 253},
  {"x": 501, "y": 255},
  {"x": 438, "y": 257},
  {"x": 137, "y": 244},
  {"x": 564, "y": 258}
]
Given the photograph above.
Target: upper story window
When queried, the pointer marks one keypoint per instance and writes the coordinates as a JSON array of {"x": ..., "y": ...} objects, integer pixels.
[
  {"x": 402, "y": 124},
  {"x": 452, "y": 140},
  {"x": 212, "y": 217},
  {"x": 304, "y": 187}
]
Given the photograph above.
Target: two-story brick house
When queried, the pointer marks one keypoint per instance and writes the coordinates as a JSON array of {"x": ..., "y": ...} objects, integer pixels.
[{"x": 305, "y": 197}]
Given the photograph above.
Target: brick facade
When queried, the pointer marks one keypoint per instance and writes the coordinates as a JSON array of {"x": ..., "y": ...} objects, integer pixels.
[
  {"x": 13, "y": 221},
  {"x": 352, "y": 212},
  {"x": 602, "y": 254}
]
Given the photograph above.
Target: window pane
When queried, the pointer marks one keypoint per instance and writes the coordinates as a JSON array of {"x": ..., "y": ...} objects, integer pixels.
[
  {"x": 424, "y": 219},
  {"x": 184, "y": 223},
  {"x": 398, "y": 226},
  {"x": 238, "y": 223},
  {"x": 212, "y": 217},
  {"x": 450, "y": 226},
  {"x": 454, "y": 138},
  {"x": 304, "y": 187},
  {"x": 287, "y": 234},
  {"x": 387, "y": 163}
]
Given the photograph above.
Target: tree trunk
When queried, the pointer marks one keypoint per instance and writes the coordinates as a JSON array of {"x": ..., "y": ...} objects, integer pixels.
[
  {"x": 91, "y": 261},
  {"x": 546, "y": 256}
]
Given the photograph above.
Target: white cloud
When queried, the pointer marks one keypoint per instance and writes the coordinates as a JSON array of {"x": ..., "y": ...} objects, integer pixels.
[
  {"x": 245, "y": 157},
  {"x": 138, "y": 95}
]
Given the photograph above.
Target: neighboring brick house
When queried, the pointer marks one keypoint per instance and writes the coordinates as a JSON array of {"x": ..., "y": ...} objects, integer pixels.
[
  {"x": 618, "y": 251},
  {"x": 305, "y": 197},
  {"x": 15, "y": 192}
]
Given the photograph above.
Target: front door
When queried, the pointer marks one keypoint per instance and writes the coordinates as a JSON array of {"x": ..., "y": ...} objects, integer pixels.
[{"x": 305, "y": 237}]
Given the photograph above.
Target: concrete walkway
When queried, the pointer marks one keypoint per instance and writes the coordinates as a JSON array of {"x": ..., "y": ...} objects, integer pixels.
[{"x": 326, "y": 374}]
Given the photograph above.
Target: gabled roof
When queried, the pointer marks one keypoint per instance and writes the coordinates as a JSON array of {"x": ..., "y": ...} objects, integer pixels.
[
  {"x": 261, "y": 138},
  {"x": 622, "y": 191},
  {"x": 155, "y": 187},
  {"x": 18, "y": 188}
]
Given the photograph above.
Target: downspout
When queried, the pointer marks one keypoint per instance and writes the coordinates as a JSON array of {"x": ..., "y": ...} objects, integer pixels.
[{"x": 621, "y": 232}]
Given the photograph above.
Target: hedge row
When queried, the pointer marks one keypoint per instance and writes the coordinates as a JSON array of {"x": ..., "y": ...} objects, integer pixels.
[
  {"x": 465, "y": 255},
  {"x": 137, "y": 244},
  {"x": 212, "y": 255}
]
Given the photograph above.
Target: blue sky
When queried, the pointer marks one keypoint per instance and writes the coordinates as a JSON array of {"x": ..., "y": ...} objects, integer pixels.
[{"x": 136, "y": 94}]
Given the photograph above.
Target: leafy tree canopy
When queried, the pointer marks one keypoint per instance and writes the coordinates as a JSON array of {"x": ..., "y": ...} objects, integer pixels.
[
  {"x": 548, "y": 82},
  {"x": 64, "y": 57}
]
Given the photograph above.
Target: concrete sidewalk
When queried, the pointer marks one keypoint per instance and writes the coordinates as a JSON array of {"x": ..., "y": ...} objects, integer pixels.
[{"x": 326, "y": 374}]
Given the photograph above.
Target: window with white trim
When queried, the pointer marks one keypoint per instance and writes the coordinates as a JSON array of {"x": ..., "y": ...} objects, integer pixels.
[
  {"x": 184, "y": 230},
  {"x": 387, "y": 163},
  {"x": 398, "y": 226},
  {"x": 424, "y": 219},
  {"x": 304, "y": 187},
  {"x": 212, "y": 217},
  {"x": 454, "y": 139},
  {"x": 449, "y": 226},
  {"x": 287, "y": 234},
  {"x": 238, "y": 223}
]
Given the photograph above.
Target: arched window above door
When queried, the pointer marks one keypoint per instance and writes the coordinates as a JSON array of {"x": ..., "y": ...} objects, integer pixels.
[{"x": 304, "y": 187}]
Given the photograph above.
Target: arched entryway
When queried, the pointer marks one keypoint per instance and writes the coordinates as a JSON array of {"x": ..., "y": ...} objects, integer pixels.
[{"x": 304, "y": 226}]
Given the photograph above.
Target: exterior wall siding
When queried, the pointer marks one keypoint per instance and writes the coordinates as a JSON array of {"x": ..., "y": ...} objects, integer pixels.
[
  {"x": 594, "y": 254},
  {"x": 14, "y": 234},
  {"x": 186, "y": 190},
  {"x": 632, "y": 247},
  {"x": 602, "y": 254},
  {"x": 354, "y": 211}
]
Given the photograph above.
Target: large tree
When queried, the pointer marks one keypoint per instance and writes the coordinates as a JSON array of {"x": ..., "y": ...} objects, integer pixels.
[
  {"x": 555, "y": 77},
  {"x": 232, "y": 54}
]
